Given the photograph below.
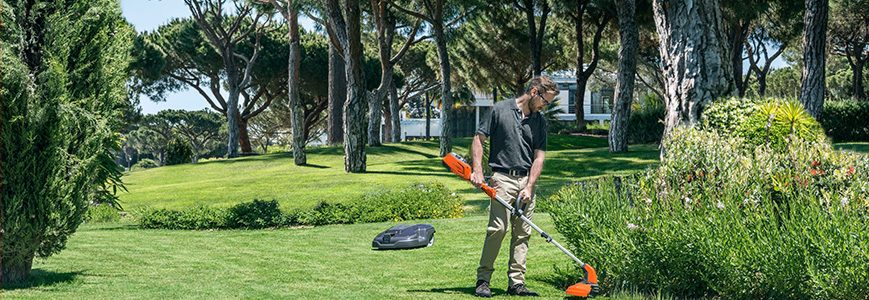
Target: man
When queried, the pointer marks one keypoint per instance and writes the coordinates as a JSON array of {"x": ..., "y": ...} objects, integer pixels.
[{"x": 516, "y": 154}]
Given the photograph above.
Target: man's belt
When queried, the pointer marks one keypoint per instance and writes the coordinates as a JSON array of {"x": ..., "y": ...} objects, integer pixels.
[{"x": 517, "y": 173}]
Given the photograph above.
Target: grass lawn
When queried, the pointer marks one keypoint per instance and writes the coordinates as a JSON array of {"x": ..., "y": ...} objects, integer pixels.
[
  {"x": 861, "y": 147},
  {"x": 274, "y": 176},
  {"x": 117, "y": 261}
]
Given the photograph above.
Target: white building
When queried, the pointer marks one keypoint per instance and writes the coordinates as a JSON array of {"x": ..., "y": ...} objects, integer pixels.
[{"x": 597, "y": 107}]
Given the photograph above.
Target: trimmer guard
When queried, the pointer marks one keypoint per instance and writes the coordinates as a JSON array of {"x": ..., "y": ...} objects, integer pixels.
[{"x": 588, "y": 286}]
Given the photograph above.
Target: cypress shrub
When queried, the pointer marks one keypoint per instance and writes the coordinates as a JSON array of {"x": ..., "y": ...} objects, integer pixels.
[
  {"x": 63, "y": 88},
  {"x": 178, "y": 151}
]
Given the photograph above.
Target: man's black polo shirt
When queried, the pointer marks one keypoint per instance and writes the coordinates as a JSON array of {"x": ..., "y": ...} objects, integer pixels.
[{"x": 512, "y": 140}]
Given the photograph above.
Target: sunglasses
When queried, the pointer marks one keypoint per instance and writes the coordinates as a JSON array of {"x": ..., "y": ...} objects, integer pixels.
[{"x": 544, "y": 98}]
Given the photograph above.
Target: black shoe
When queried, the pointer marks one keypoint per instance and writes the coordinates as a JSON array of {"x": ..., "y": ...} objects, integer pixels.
[
  {"x": 520, "y": 290},
  {"x": 483, "y": 289}
]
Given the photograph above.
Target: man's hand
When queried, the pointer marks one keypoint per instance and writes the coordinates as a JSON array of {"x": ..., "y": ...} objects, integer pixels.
[
  {"x": 525, "y": 195},
  {"x": 477, "y": 178}
]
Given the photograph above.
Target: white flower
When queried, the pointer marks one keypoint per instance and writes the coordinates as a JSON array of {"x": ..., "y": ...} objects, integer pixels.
[
  {"x": 648, "y": 201},
  {"x": 632, "y": 226},
  {"x": 844, "y": 201},
  {"x": 687, "y": 200},
  {"x": 720, "y": 205}
]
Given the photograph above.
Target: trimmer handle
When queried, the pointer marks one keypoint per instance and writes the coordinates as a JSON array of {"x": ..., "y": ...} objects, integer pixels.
[
  {"x": 520, "y": 211},
  {"x": 457, "y": 164}
]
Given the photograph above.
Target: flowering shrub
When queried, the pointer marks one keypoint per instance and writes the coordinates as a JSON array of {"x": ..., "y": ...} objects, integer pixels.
[
  {"x": 762, "y": 121},
  {"x": 722, "y": 218}
]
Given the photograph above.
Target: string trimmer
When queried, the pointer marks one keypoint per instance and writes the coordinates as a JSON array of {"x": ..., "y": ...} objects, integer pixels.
[{"x": 588, "y": 286}]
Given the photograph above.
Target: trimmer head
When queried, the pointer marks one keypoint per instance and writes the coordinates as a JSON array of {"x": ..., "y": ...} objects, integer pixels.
[{"x": 588, "y": 287}]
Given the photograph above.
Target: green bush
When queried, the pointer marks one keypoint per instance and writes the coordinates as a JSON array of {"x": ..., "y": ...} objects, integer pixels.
[
  {"x": 646, "y": 125},
  {"x": 178, "y": 152},
  {"x": 418, "y": 201},
  {"x": 327, "y": 213},
  {"x": 102, "y": 212},
  {"x": 846, "y": 121},
  {"x": 194, "y": 218},
  {"x": 721, "y": 219},
  {"x": 762, "y": 121},
  {"x": 255, "y": 215},
  {"x": 144, "y": 163}
]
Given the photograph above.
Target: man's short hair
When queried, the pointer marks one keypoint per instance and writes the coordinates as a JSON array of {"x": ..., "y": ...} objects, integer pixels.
[{"x": 544, "y": 84}]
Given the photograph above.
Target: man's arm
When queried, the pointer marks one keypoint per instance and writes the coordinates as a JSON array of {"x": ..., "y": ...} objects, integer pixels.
[
  {"x": 477, "y": 160},
  {"x": 536, "y": 169}
]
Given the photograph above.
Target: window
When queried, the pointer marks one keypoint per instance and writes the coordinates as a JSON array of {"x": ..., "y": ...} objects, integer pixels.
[{"x": 602, "y": 102}]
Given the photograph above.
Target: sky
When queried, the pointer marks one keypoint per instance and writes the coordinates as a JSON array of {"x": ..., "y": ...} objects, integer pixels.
[{"x": 148, "y": 15}]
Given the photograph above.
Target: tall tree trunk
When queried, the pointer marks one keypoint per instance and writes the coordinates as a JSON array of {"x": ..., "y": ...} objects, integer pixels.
[
  {"x": 761, "y": 86},
  {"x": 375, "y": 108},
  {"x": 695, "y": 56},
  {"x": 387, "y": 120},
  {"x": 337, "y": 96},
  {"x": 244, "y": 136},
  {"x": 535, "y": 35},
  {"x": 297, "y": 115},
  {"x": 581, "y": 79},
  {"x": 232, "y": 112},
  {"x": 355, "y": 133},
  {"x": 857, "y": 79},
  {"x": 629, "y": 41},
  {"x": 446, "y": 145},
  {"x": 762, "y": 73},
  {"x": 582, "y": 73},
  {"x": 395, "y": 109},
  {"x": 427, "y": 116},
  {"x": 232, "y": 121},
  {"x": 814, "y": 57},
  {"x": 737, "y": 35}
]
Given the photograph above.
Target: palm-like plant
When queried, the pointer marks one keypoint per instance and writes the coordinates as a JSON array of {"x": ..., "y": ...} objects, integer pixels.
[
  {"x": 793, "y": 116},
  {"x": 789, "y": 115},
  {"x": 551, "y": 110}
]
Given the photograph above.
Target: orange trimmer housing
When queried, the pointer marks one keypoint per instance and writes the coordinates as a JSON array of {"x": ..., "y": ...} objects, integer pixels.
[{"x": 588, "y": 287}]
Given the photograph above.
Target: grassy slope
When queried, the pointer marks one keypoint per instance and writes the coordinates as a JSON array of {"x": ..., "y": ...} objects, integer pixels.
[{"x": 274, "y": 176}]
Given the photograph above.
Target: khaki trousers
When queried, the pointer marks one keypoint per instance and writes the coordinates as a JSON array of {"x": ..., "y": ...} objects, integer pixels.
[{"x": 508, "y": 188}]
